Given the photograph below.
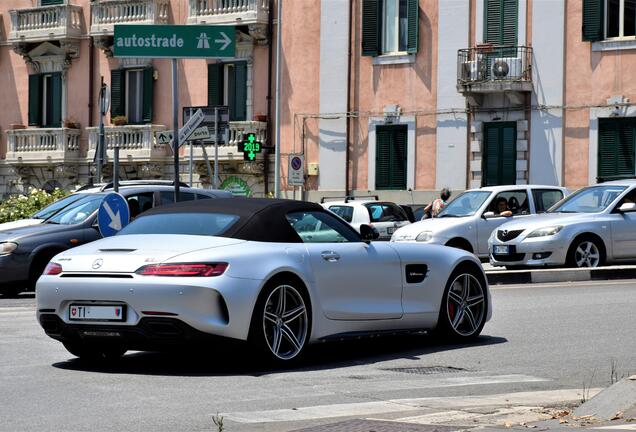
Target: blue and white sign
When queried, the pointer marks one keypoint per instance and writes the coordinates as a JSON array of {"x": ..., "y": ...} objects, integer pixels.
[{"x": 113, "y": 214}]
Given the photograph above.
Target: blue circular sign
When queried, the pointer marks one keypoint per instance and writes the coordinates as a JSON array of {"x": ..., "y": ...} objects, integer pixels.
[
  {"x": 113, "y": 214},
  {"x": 296, "y": 163}
]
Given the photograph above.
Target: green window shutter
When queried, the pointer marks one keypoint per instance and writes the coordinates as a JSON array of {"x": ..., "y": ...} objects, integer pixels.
[
  {"x": 371, "y": 27},
  {"x": 490, "y": 157},
  {"x": 499, "y": 159},
  {"x": 56, "y": 95},
  {"x": 391, "y": 157},
  {"x": 593, "y": 18},
  {"x": 501, "y": 22},
  {"x": 51, "y": 2},
  {"x": 616, "y": 148},
  {"x": 508, "y": 155},
  {"x": 240, "y": 91},
  {"x": 117, "y": 93},
  {"x": 35, "y": 100},
  {"x": 414, "y": 25},
  {"x": 215, "y": 84},
  {"x": 148, "y": 94}
]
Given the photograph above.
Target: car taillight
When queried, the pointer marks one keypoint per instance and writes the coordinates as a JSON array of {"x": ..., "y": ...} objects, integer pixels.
[
  {"x": 53, "y": 269},
  {"x": 204, "y": 270}
]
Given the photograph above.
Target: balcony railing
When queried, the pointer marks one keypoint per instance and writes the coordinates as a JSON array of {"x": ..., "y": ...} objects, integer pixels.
[
  {"x": 43, "y": 145},
  {"x": 106, "y": 13},
  {"x": 45, "y": 23},
  {"x": 136, "y": 142},
  {"x": 228, "y": 11},
  {"x": 229, "y": 150},
  {"x": 487, "y": 69}
]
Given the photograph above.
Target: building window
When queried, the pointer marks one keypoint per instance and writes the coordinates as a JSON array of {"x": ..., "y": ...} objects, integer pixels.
[
  {"x": 391, "y": 157},
  {"x": 45, "y": 100},
  {"x": 620, "y": 18},
  {"x": 501, "y": 22},
  {"x": 389, "y": 27},
  {"x": 132, "y": 94},
  {"x": 616, "y": 148},
  {"x": 499, "y": 161},
  {"x": 227, "y": 85},
  {"x": 51, "y": 2}
]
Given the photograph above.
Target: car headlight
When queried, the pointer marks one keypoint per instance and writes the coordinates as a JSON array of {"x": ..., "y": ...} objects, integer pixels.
[
  {"x": 545, "y": 232},
  {"x": 424, "y": 236},
  {"x": 7, "y": 247}
]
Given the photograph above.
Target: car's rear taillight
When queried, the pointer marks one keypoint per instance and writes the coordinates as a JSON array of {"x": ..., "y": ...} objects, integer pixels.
[
  {"x": 53, "y": 269},
  {"x": 184, "y": 270}
]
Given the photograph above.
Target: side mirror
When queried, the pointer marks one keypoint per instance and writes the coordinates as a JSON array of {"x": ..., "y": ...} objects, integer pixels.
[
  {"x": 627, "y": 208},
  {"x": 489, "y": 215},
  {"x": 368, "y": 233}
]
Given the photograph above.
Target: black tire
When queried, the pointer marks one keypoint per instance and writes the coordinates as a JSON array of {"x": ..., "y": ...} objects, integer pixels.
[
  {"x": 10, "y": 291},
  {"x": 263, "y": 331},
  {"x": 467, "y": 326},
  {"x": 574, "y": 257},
  {"x": 95, "y": 353}
]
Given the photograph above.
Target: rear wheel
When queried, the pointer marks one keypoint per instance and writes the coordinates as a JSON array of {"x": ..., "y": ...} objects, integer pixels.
[
  {"x": 464, "y": 305},
  {"x": 281, "y": 322},
  {"x": 585, "y": 252},
  {"x": 95, "y": 353}
]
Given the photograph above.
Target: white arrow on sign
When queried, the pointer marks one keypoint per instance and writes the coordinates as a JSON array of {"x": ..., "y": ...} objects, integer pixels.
[
  {"x": 163, "y": 137},
  {"x": 226, "y": 41},
  {"x": 115, "y": 218}
]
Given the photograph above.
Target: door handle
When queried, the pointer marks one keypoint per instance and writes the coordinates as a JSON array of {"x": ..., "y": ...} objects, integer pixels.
[{"x": 330, "y": 256}]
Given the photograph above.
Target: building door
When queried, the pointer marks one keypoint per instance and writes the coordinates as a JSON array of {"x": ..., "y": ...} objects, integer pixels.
[
  {"x": 499, "y": 159},
  {"x": 616, "y": 148},
  {"x": 390, "y": 157}
]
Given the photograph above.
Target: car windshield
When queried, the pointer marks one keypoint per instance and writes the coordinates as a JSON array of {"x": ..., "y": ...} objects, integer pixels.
[
  {"x": 200, "y": 224},
  {"x": 51, "y": 209},
  {"x": 592, "y": 199},
  {"x": 77, "y": 212},
  {"x": 466, "y": 204}
]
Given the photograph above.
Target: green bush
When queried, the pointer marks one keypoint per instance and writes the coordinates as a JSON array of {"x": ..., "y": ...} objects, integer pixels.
[{"x": 23, "y": 206}]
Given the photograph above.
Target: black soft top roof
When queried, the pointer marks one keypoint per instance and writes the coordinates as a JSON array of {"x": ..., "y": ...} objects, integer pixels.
[{"x": 260, "y": 219}]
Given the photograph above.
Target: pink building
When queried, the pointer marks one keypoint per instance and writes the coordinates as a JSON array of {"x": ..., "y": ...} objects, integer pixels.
[{"x": 392, "y": 97}]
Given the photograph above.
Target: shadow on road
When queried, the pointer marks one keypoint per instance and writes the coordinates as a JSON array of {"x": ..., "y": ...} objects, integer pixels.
[{"x": 236, "y": 359}]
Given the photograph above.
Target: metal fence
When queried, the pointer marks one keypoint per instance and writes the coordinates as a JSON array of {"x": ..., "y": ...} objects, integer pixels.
[{"x": 494, "y": 63}]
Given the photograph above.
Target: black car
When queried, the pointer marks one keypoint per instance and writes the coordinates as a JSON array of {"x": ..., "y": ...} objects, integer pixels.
[{"x": 72, "y": 221}]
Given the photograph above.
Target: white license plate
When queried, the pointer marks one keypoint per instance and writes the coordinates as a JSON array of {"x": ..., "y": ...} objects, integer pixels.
[
  {"x": 78, "y": 312},
  {"x": 390, "y": 230},
  {"x": 501, "y": 250}
]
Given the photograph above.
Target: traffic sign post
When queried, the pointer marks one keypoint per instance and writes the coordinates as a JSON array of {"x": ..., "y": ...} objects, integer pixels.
[
  {"x": 113, "y": 214},
  {"x": 296, "y": 172},
  {"x": 250, "y": 147}
]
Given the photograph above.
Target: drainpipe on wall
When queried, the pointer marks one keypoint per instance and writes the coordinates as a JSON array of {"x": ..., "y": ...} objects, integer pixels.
[
  {"x": 269, "y": 94},
  {"x": 349, "y": 87}
]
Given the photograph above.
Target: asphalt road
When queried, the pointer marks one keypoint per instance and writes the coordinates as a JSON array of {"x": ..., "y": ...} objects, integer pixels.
[{"x": 541, "y": 338}]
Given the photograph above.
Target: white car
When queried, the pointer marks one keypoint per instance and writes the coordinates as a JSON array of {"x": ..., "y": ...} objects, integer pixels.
[
  {"x": 280, "y": 274},
  {"x": 593, "y": 226},
  {"x": 385, "y": 217},
  {"x": 467, "y": 221}
]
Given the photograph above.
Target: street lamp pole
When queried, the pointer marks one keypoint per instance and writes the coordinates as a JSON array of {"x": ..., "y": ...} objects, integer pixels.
[{"x": 277, "y": 126}]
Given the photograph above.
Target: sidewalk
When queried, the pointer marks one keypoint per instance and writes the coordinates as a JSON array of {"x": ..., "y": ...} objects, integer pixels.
[{"x": 501, "y": 276}]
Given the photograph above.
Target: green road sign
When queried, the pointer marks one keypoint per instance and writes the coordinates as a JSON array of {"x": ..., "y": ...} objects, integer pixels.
[
  {"x": 174, "y": 41},
  {"x": 250, "y": 147}
]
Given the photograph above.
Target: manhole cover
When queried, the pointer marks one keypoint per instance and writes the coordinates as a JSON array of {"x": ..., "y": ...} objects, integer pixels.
[
  {"x": 428, "y": 370},
  {"x": 375, "y": 426}
]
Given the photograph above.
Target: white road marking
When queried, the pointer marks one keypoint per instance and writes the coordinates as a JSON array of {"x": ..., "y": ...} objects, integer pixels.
[
  {"x": 13, "y": 311},
  {"x": 579, "y": 284},
  {"x": 362, "y": 409},
  {"x": 631, "y": 427}
]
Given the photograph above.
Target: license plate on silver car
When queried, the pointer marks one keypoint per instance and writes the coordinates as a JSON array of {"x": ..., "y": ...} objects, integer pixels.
[
  {"x": 390, "y": 230},
  {"x": 501, "y": 250},
  {"x": 80, "y": 312}
]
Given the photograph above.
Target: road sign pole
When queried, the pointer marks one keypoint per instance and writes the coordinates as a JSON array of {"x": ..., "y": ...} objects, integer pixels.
[
  {"x": 116, "y": 168},
  {"x": 277, "y": 149},
  {"x": 207, "y": 161},
  {"x": 190, "y": 163},
  {"x": 100, "y": 142},
  {"x": 175, "y": 127},
  {"x": 216, "y": 147}
]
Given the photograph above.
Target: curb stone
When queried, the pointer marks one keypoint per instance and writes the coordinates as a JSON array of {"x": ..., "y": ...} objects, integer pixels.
[{"x": 516, "y": 277}]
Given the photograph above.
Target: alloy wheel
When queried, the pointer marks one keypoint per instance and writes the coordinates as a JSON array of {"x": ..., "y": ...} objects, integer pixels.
[
  {"x": 466, "y": 305},
  {"x": 285, "y": 322},
  {"x": 587, "y": 255}
]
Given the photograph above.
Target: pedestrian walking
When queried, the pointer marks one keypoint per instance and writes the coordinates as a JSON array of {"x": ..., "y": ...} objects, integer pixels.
[{"x": 434, "y": 208}]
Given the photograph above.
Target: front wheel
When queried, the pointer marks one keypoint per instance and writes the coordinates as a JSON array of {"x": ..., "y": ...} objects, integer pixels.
[
  {"x": 464, "y": 305},
  {"x": 281, "y": 321},
  {"x": 585, "y": 253},
  {"x": 94, "y": 353}
]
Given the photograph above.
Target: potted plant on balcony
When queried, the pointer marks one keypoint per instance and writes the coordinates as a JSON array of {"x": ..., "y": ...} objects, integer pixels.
[
  {"x": 119, "y": 120},
  {"x": 260, "y": 117},
  {"x": 16, "y": 126},
  {"x": 71, "y": 123}
]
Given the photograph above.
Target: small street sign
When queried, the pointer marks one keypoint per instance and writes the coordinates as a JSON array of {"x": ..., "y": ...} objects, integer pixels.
[
  {"x": 113, "y": 214},
  {"x": 174, "y": 41},
  {"x": 190, "y": 126},
  {"x": 250, "y": 147},
  {"x": 201, "y": 133},
  {"x": 296, "y": 173},
  {"x": 222, "y": 125},
  {"x": 164, "y": 137}
]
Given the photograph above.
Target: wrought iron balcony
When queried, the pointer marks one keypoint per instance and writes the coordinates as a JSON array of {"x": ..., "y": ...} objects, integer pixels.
[
  {"x": 43, "y": 146},
  {"x": 493, "y": 69},
  {"x": 253, "y": 13},
  {"x": 136, "y": 142},
  {"x": 106, "y": 13},
  {"x": 44, "y": 23}
]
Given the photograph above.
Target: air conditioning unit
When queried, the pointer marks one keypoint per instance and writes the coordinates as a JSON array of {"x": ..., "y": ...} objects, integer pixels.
[
  {"x": 506, "y": 68},
  {"x": 470, "y": 70}
]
